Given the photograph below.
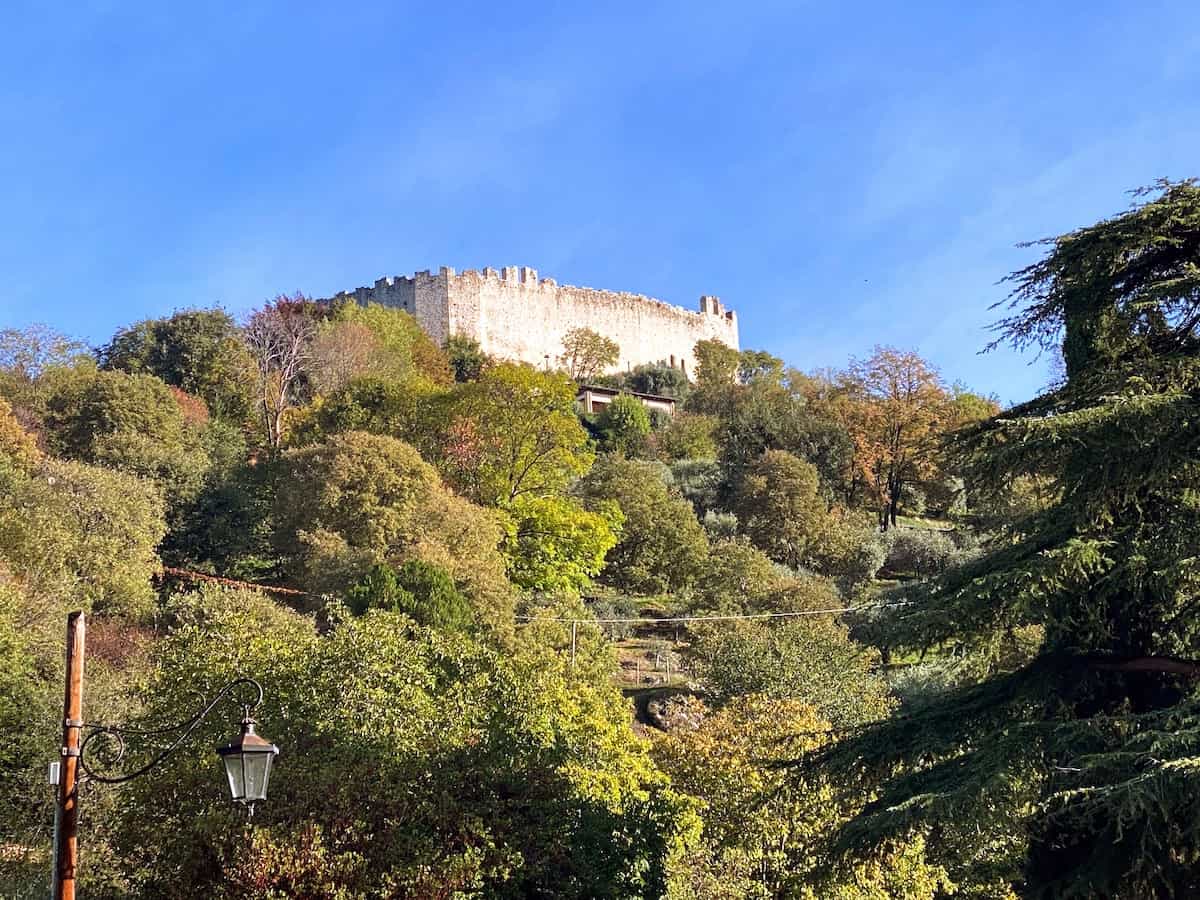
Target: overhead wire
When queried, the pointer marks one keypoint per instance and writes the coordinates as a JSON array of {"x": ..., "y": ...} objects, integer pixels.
[{"x": 716, "y": 618}]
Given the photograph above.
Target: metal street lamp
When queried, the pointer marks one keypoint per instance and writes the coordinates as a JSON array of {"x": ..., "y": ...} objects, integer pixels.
[
  {"x": 247, "y": 758},
  {"x": 248, "y": 761}
]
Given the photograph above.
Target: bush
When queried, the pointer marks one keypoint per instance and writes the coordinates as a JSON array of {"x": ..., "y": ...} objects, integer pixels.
[
  {"x": 851, "y": 551},
  {"x": 920, "y": 551},
  {"x": 686, "y": 436},
  {"x": 623, "y": 425},
  {"x": 417, "y": 589},
  {"x": 612, "y": 605},
  {"x": 733, "y": 579},
  {"x": 699, "y": 480},
  {"x": 720, "y": 525},
  {"x": 811, "y": 659}
]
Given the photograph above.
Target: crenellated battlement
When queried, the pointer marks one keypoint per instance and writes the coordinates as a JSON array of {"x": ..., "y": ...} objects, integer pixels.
[{"x": 513, "y": 313}]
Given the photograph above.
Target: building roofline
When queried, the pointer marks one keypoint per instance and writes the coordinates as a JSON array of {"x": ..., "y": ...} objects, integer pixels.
[{"x": 617, "y": 391}]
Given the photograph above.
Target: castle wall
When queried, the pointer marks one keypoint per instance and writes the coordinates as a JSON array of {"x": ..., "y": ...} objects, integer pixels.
[{"x": 515, "y": 315}]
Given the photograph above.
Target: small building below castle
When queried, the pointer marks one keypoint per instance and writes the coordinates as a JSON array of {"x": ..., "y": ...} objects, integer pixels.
[
  {"x": 593, "y": 398},
  {"x": 514, "y": 314}
]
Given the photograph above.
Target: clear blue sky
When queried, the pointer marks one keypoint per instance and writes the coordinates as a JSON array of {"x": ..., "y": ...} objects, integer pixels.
[{"x": 842, "y": 175}]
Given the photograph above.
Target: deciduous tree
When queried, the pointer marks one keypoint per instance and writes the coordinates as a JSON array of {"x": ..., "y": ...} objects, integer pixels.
[
  {"x": 357, "y": 500},
  {"x": 895, "y": 409},
  {"x": 778, "y": 503},
  {"x": 587, "y": 354},
  {"x": 686, "y": 436},
  {"x": 556, "y": 545},
  {"x": 422, "y": 763},
  {"x": 280, "y": 336},
  {"x": 513, "y": 433},
  {"x": 73, "y": 530},
  {"x": 199, "y": 351},
  {"x": 662, "y": 544},
  {"x": 716, "y": 363},
  {"x": 134, "y": 423},
  {"x": 404, "y": 349}
]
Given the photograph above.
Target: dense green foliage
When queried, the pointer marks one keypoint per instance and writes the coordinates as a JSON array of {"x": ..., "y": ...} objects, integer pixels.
[
  {"x": 624, "y": 425},
  {"x": 198, "y": 351},
  {"x": 662, "y": 544},
  {"x": 511, "y": 778},
  {"x": 421, "y": 591},
  {"x": 888, "y": 640},
  {"x": 587, "y": 353},
  {"x": 359, "y": 499},
  {"x": 556, "y": 545},
  {"x": 466, "y": 358}
]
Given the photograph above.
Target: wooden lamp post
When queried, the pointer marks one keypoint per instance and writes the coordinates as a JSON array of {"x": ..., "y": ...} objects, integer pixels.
[{"x": 247, "y": 758}]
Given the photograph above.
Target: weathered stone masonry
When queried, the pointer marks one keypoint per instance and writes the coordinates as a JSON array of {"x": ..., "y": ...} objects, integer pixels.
[{"x": 514, "y": 315}]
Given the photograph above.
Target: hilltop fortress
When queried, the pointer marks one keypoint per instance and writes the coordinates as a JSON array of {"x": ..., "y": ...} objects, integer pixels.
[{"x": 514, "y": 315}]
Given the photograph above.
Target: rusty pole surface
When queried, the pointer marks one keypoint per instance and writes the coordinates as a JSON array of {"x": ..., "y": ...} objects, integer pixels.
[{"x": 66, "y": 844}]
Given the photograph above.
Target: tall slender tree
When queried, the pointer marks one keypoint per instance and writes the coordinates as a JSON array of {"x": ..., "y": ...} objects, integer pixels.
[{"x": 280, "y": 336}]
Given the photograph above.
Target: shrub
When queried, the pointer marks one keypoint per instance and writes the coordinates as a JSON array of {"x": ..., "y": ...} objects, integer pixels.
[
  {"x": 686, "y": 436},
  {"x": 720, "y": 525},
  {"x": 623, "y": 425},
  {"x": 417, "y": 589},
  {"x": 699, "y": 480},
  {"x": 811, "y": 659},
  {"x": 920, "y": 551}
]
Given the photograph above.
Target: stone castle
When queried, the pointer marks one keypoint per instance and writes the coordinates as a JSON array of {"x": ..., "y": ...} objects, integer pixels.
[{"x": 515, "y": 315}]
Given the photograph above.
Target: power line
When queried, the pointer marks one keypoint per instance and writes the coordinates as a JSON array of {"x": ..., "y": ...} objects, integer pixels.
[
  {"x": 724, "y": 618},
  {"x": 230, "y": 582}
]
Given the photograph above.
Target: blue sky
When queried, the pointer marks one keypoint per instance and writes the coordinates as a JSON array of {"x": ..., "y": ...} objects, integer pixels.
[{"x": 841, "y": 175}]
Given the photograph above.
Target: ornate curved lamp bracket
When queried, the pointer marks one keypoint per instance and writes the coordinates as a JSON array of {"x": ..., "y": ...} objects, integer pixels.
[{"x": 181, "y": 731}]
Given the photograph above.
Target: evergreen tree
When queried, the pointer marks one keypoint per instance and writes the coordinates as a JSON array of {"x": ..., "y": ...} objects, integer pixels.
[{"x": 1074, "y": 772}]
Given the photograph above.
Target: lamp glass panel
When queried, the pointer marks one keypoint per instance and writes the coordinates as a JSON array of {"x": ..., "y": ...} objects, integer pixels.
[
  {"x": 234, "y": 771},
  {"x": 257, "y": 769}
]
